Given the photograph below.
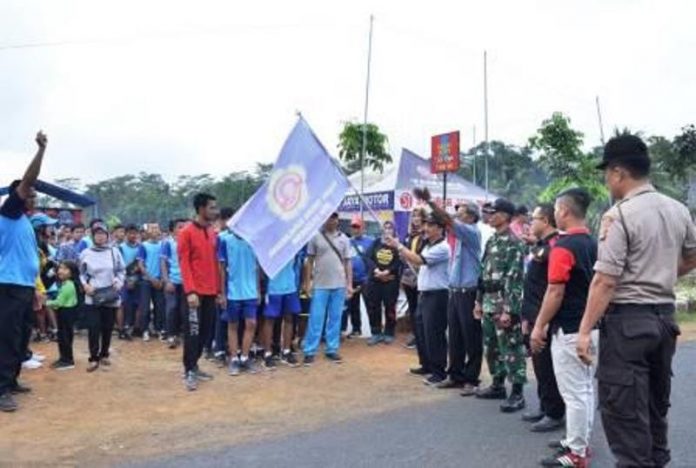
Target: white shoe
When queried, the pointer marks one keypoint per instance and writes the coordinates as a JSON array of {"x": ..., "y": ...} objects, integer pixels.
[
  {"x": 31, "y": 364},
  {"x": 38, "y": 357},
  {"x": 146, "y": 336}
]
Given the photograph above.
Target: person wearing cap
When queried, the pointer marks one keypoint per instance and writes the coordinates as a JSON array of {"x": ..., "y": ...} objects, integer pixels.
[
  {"x": 465, "y": 335},
  {"x": 498, "y": 302},
  {"x": 103, "y": 273},
  {"x": 361, "y": 245},
  {"x": 19, "y": 267},
  {"x": 44, "y": 228},
  {"x": 433, "y": 283},
  {"x": 328, "y": 269},
  {"x": 646, "y": 241}
]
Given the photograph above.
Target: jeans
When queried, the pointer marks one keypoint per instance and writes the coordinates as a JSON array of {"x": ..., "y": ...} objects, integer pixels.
[
  {"x": 176, "y": 308},
  {"x": 100, "y": 322},
  {"x": 325, "y": 302},
  {"x": 129, "y": 303},
  {"x": 150, "y": 295},
  {"x": 576, "y": 384},
  {"x": 221, "y": 333}
]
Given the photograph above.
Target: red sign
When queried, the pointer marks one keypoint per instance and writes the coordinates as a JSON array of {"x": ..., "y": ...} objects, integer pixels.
[
  {"x": 445, "y": 153},
  {"x": 406, "y": 201}
]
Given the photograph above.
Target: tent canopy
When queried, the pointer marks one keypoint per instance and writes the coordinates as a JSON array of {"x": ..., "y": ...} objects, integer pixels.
[
  {"x": 60, "y": 193},
  {"x": 412, "y": 171}
]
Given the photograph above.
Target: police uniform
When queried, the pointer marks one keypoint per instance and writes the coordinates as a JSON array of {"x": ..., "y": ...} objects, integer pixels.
[{"x": 641, "y": 241}]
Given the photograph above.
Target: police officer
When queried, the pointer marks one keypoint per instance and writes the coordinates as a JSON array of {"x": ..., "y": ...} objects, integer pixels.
[
  {"x": 646, "y": 241},
  {"x": 498, "y": 306}
]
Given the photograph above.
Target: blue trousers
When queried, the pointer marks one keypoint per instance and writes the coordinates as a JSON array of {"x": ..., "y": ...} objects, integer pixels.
[{"x": 325, "y": 302}]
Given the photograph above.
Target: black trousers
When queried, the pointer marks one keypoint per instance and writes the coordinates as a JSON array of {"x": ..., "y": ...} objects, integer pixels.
[
  {"x": 176, "y": 309},
  {"x": 432, "y": 313},
  {"x": 412, "y": 299},
  {"x": 15, "y": 304},
  {"x": 198, "y": 329},
  {"x": 353, "y": 310},
  {"x": 465, "y": 337},
  {"x": 550, "y": 400},
  {"x": 383, "y": 295},
  {"x": 66, "y": 331},
  {"x": 100, "y": 325},
  {"x": 636, "y": 347}
]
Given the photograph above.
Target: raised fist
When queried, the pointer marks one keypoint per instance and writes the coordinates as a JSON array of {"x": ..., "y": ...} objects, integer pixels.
[
  {"x": 422, "y": 194},
  {"x": 41, "y": 140}
]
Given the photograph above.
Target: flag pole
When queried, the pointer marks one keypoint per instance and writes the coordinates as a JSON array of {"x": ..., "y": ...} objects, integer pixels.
[{"x": 364, "y": 129}]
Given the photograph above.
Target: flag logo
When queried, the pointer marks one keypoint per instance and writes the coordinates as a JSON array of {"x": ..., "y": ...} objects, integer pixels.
[{"x": 287, "y": 193}]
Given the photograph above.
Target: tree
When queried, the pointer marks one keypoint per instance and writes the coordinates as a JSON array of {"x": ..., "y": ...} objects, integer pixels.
[
  {"x": 561, "y": 155},
  {"x": 351, "y": 142}
]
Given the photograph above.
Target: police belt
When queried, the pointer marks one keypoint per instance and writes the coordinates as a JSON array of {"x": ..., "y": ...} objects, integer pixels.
[{"x": 625, "y": 309}]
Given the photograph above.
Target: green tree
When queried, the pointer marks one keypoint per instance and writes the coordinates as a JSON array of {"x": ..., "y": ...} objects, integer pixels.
[
  {"x": 350, "y": 143},
  {"x": 560, "y": 152}
]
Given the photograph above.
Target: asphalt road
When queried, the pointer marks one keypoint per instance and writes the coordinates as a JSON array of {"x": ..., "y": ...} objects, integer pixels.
[{"x": 457, "y": 432}]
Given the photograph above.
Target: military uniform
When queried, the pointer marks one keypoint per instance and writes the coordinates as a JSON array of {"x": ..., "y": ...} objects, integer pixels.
[
  {"x": 501, "y": 292},
  {"x": 641, "y": 241}
]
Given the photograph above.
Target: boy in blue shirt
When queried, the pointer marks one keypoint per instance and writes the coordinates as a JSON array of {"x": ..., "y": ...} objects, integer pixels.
[
  {"x": 240, "y": 286},
  {"x": 283, "y": 302},
  {"x": 19, "y": 268},
  {"x": 149, "y": 257},
  {"x": 129, "y": 249},
  {"x": 175, "y": 298}
]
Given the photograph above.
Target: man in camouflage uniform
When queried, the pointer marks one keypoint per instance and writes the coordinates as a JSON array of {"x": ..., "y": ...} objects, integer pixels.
[{"x": 499, "y": 305}]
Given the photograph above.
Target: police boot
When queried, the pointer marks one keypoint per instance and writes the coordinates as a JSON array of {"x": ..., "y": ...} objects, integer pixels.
[
  {"x": 496, "y": 391},
  {"x": 515, "y": 401}
]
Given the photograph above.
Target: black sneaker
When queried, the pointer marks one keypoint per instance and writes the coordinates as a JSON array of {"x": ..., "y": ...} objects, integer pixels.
[
  {"x": 235, "y": 367},
  {"x": 269, "y": 363},
  {"x": 449, "y": 383},
  {"x": 433, "y": 380},
  {"x": 548, "y": 425},
  {"x": 308, "y": 361},
  {"x": 20, "y": 389},
  {"x": 249, "y": 366},
  {"x": 209, "y": 355},
  {"x": 420, "y": 371},
  {"x": 61, "y": 365},
  {"x": 289, "y": 359},
  {"x": 533, "y": 416},
  {"x": 7, "y": 403},
  {"x": 334, "y": 357},
  {"x": 191, "y": 381},
  {"x": 493, "y": 392},
  {"x": 514, "y": 403}
]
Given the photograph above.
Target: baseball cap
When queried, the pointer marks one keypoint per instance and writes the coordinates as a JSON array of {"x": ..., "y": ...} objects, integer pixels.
[
  {"x": 42, "y": 219},
  {"x": 501, "y": 205},
  {"x": 626, "y": 150},
  {"x": 99, "y": 227},
  {"x": 356, "y": 222}
]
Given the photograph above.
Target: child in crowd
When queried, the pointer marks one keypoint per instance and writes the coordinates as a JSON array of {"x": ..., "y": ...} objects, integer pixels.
[{"x": 65, "y": 306}]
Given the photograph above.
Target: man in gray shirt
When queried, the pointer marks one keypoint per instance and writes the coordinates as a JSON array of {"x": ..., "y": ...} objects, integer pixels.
[
  {"x": 433, "y": 287},
  {"x": 328, "y": 270}
]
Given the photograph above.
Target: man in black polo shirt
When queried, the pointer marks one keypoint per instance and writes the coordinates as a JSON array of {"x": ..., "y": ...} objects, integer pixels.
[
  {"x": 571, "y": 267},
  {"x": 549, "y": 416}
]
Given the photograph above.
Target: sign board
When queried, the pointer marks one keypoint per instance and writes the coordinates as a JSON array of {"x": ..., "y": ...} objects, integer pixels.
[
  {"x": 378, "y": 201},
  {"x": 445, "y": 153}
]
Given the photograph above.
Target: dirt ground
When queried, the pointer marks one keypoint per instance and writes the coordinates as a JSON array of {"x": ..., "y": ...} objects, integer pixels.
[{"x": 139, "y": 408}]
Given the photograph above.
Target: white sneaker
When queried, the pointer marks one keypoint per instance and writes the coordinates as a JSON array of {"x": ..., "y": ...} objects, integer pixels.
[
  {"x": 38, "y": 357},
  {"x": 31, "y": 364},
  {"x": 146, "y": 336}
]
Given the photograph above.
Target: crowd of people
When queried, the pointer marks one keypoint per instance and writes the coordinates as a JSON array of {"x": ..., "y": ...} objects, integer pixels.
[{"x": 537, "y": 287}]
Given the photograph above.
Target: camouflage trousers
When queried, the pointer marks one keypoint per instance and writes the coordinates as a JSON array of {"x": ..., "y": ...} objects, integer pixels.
[{"x": 505, "y": 352}]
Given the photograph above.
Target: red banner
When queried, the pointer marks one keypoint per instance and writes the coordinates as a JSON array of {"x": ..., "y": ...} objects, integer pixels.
[{"x": 445, "y": 153}]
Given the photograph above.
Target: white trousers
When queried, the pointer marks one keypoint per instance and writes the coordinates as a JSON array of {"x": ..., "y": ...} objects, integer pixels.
[{"x": 576, "y": 385}]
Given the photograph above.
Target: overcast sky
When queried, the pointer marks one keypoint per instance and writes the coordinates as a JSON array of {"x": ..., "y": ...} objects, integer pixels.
[{"x": 192, "y": 87}]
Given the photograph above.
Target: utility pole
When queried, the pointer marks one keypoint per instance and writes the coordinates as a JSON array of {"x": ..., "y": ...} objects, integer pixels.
[
  {"x": 485, "y": 113},
  {"x": 599, "y": 118},
  {"x": 364, "y": 129}
]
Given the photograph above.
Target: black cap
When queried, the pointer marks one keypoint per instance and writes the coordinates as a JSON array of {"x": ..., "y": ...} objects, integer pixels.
[
  {"x": 500, "y": 205},
  {"x": 433, "y": 218},
  {"x": 628, "y": 151}
]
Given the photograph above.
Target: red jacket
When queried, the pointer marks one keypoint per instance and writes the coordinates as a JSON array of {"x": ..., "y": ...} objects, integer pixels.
[{"x": 197, "y": 249}]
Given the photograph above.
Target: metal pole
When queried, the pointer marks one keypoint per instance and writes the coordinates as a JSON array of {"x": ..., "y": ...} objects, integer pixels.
[
  {"x": 474, "y": 161},
  {"x": 364, "y": 129},
  {"x": 485, "y": 112},
  {"x": 599, "y": 117},
  {"x": 444, "y": 190}
]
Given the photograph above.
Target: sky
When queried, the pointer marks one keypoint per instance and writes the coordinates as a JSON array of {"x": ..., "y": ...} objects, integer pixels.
[{"x": 182, "y": 88}]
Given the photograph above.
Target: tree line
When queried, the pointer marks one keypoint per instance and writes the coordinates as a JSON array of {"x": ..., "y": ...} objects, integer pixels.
[{"x": 553, "y": 159}]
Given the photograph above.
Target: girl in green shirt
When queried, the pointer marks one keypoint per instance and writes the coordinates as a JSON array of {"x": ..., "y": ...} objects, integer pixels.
[{"x": 66, "y": 305}]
